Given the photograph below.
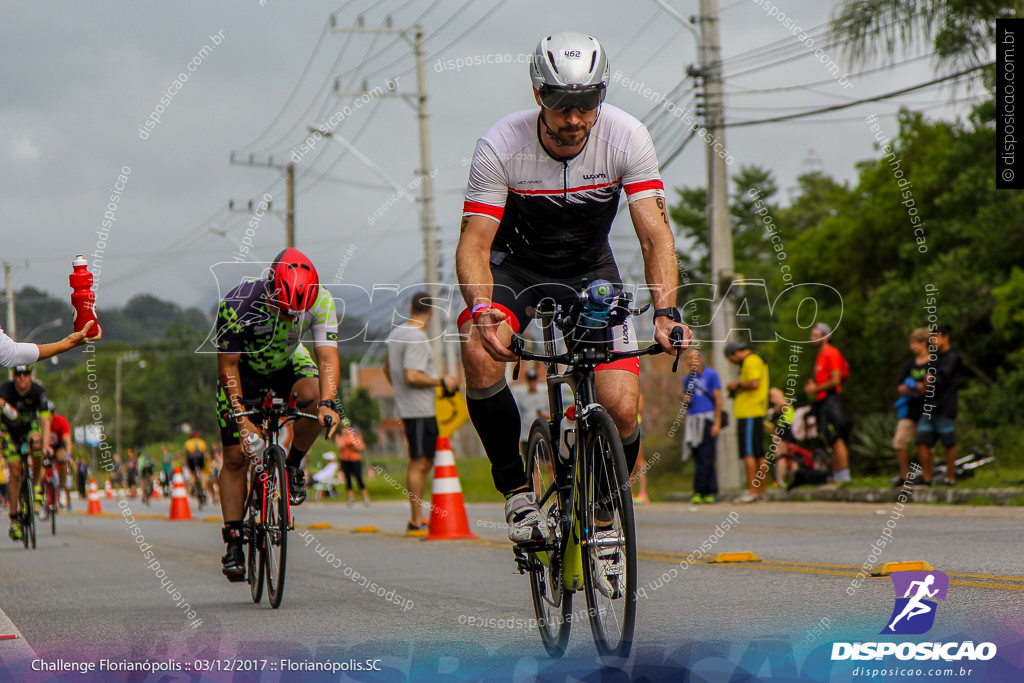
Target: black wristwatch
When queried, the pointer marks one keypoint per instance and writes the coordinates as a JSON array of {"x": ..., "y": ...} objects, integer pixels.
[
  {"x": 329, "y": 403},
  {"x": 672, "y": 313}
]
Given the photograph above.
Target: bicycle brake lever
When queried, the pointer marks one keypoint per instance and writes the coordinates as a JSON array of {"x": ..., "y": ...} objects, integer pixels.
[
  {"x": 677, "y": 338},
  {"x": 516, "y": 347},
  {"x": 327, "y": 425}
]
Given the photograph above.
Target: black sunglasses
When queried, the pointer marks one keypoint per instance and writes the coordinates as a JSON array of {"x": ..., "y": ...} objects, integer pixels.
[
  {"x": 22, "y": 374},
  {"x": 585, "y": 99}
]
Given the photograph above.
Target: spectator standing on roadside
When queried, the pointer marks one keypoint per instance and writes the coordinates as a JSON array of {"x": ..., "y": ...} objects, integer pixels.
[
  {"x": 939, "y": 410},
  {"x": 83, "y": 477},
  {"x": 409, "y": 368},
  {"x": 750, "y": 406},
  {"x": 825, "y": 389},
  {"x": 350, "y": 455},
  {"x": 703, "y": 389},
  {"x": 532, "y": 403},
  {"x": 910, "y": 385}
]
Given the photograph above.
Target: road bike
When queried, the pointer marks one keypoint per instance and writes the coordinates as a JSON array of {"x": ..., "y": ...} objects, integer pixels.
[
  {"x": 579, "y": 478},
  {"x": 51, "y": 491},
  {"x": 27, "y": 502},
  {"x": 267, "y": 518},
  {"x": 197, "y": 491},
  {"x": 147, "y": 486},
  {"x": 797, "y": 465}
]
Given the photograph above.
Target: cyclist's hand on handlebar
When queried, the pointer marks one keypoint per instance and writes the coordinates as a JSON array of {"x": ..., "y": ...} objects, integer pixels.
[
  {"x": 672, "y": 336},
  {"x": 245, "y": 428},
  {"x": 329, "y": 418},
  {"x": 488, "y": 326}
]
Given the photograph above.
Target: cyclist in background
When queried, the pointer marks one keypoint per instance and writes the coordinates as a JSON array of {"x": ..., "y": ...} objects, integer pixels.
[
  {"x": 213, "y": 481},
  {"x": 260, "y": 324},
  {"x": 195, "y": 458},
  {"x": 25, "y": 426},
  {"x": 146, "y": 469},
  {"x": 60, "y": 442},
  {"x": 543, "y": 191}
]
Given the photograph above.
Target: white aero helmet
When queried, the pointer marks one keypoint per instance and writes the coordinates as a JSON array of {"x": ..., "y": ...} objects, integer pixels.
[{"x": 570, "y": 70}]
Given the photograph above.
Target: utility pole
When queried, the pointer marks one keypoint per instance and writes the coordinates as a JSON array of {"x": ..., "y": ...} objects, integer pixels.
[
  {"x": 289, "y": 177},
  {"x": 722, "y": 275},
  {"x": 12, "y": 321},
  {"x": 428, "y": 221}
]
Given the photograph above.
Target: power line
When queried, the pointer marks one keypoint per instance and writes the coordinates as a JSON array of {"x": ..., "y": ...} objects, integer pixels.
[
  {"x": 298, "y": 83},
  {"x": 745, "y": 90},
  {"x": 847, "y": 105}
]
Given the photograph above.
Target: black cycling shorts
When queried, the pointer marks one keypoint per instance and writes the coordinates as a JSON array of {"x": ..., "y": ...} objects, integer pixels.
[
  {"x": 255, "y": 386},
  {"x": 517, "y": 291}
]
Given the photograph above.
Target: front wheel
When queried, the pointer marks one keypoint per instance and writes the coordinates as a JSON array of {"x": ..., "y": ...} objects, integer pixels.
[
  {"x": 609, "y": 537},
  {"x": 551, "y": 602},
  {"x": 28, "y": 512},
  {"x": 275, "y": 523},
  {"x": 255, "y": 563},
  {"x": 52, "y": 505}
]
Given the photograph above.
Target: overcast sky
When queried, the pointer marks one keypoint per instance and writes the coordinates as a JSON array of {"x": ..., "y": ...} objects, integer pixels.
[{"x": 79, "y": 80}]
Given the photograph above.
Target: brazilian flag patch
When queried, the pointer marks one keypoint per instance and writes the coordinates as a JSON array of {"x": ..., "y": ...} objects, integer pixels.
[{"x": 332, "y": 336}]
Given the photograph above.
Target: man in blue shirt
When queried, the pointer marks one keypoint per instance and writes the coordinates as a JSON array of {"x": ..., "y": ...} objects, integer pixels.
[{"x": 702, "y": 392}]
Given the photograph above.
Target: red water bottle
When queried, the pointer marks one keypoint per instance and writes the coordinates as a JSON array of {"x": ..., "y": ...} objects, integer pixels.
[{"x": 83, "y": 299}]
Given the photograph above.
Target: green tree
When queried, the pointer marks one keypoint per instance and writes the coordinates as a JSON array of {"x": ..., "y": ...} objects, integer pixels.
[
  {"x": 177, "y": 386},
  {"x": 364, "y": 412},
  {"x": 960, "y": 33}
]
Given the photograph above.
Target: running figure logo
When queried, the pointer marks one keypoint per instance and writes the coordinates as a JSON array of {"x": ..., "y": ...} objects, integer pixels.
[{"x": 913, "y": 613}]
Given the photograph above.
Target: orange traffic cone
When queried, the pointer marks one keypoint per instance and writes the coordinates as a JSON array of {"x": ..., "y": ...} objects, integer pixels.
[
  {"x": 179, "y": 498},
  {"x": 448, "y": 510},
  {"x": 108, "y": 489},
  {"x": 92, "y": 492}
]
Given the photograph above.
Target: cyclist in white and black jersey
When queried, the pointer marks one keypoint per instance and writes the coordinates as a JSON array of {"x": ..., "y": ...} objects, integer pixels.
[{"x": 543, "y": 191}]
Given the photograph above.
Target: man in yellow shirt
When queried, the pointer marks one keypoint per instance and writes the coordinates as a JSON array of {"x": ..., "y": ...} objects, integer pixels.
[{"x": 750, "y": 393}]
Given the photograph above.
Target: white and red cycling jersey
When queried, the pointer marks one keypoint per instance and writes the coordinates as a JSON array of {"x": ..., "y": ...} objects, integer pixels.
[{"x": 554, "y": 215}]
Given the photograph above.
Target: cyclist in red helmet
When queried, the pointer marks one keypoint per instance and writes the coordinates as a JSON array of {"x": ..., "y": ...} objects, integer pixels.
[{"x": 260, "y": 324}]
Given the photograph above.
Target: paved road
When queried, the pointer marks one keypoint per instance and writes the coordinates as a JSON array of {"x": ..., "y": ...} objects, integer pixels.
[{"x": 90, "y": 594}]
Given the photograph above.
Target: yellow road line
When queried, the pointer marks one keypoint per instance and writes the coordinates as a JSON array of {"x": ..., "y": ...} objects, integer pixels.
[{"x": 811, "y": 569}]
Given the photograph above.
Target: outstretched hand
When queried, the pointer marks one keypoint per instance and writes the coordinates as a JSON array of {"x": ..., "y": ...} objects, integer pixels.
[{"x": 82, "y": 336}]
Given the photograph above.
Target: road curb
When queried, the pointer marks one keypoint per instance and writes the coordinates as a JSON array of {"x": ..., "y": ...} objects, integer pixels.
[{"x": 919, "y": 494}]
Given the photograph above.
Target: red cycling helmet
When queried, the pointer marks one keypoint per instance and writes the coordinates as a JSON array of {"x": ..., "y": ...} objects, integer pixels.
[{"x": 293, "y": 281}]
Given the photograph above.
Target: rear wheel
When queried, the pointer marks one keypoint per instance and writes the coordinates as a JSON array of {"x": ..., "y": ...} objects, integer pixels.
[
  {"x": 609, "y": 552},
  {"x": 276, "y": 525},
  {"x": 822, "y": 463},
  {"x": 551, "y": 603}
]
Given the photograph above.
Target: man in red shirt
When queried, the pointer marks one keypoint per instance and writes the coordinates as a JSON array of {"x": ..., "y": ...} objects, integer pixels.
[
  {"x": 60, "y": 442},
  {"x": 829, "y": 410}
]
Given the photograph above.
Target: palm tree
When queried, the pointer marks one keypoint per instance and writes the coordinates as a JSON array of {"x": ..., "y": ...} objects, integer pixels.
[{"x": 961, "y": 33}]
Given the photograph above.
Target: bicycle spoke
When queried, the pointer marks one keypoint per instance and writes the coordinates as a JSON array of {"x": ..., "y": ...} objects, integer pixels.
[
  {"x": 610, "y": 545},
  {"x": 551, "y": 602}
]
